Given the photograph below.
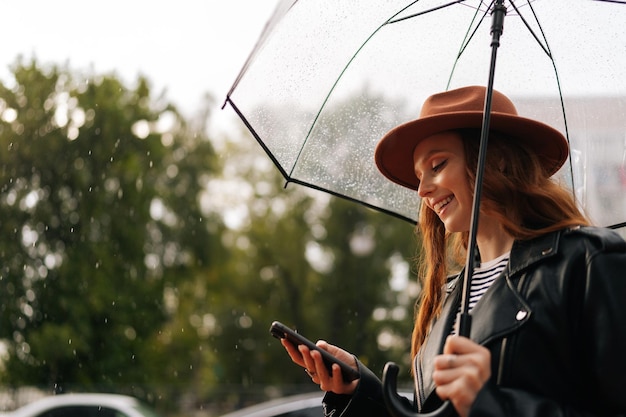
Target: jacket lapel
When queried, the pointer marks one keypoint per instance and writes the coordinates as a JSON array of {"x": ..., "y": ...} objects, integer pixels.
[
  {"x": 433, "y": 345},
  {"x": 501, "y": 310}
]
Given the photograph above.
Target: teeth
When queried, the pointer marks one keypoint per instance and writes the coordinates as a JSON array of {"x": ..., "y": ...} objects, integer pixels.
[{"x": 437, "y": 207}]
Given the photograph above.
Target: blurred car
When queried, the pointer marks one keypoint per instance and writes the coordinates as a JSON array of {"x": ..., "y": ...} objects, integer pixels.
[
  {"x": 84, "y": 405},
  {"x": 302, "y": 405}
]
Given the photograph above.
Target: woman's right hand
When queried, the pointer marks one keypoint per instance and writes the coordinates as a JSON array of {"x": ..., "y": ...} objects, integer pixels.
[{"x": 313, "y": 364}]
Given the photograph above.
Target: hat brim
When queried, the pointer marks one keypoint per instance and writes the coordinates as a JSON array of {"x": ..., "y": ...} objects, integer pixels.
[{"x": 394, "y": 152}]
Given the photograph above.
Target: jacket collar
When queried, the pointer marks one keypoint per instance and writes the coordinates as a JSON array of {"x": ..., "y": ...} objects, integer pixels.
[
  {"x": 503, "y": 309},
  {"x": 526, "y": 253}
]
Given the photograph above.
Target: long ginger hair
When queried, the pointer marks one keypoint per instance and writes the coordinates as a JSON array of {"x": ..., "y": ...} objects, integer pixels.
[{"x": 516, "y": 191}]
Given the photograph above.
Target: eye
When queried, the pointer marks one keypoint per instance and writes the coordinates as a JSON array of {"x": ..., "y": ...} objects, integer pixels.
[{"x": 437, "y": 166}]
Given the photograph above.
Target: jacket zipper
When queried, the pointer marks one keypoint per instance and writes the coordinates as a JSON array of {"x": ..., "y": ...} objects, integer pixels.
[{"x": 501, "y": 361}]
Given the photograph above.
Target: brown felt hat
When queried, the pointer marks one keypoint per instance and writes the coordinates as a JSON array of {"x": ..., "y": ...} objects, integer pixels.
[{"x": 459, "y": 109}]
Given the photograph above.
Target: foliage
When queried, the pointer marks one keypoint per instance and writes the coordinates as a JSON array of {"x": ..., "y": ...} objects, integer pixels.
[
  {"x": 328, "y": 267},
  {"x": 132, "y": 262},
  {"x": 99, "y": 217}
]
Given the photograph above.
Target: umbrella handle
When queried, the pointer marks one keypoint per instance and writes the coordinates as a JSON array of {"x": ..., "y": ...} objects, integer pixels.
[{"x": 396, "y": 406}]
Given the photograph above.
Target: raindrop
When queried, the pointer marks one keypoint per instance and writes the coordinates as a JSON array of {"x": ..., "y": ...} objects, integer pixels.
[
  {"x": 130, "y": 333},
  {"x": 27, "y": 310},
  {"x": 245, "y": 322}
]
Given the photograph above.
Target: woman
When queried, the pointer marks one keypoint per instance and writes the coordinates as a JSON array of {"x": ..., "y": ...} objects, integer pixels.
[{"x": 548, "y": 298}]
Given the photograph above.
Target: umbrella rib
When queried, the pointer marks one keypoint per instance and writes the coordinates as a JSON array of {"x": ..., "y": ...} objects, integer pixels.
[
  {"x": 467, "y": 40},
  {"x": 616, "y": 225},
  {"x": 258, "y": 139},
  {"x": 343, "y": 71},
  {"x": 351, "y": 199},
  {"x": 421, "y": 13},
  {"x": 545, "y": 47},
  {"x": 281, "y": 9},
  {"x": 289, "y": 179},
  {"x": 613, "y": 1}
]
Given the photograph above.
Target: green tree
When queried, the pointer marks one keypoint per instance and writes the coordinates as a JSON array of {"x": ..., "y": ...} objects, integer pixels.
[
  {"x": 322, "y": 267},
  {"x": 117, "y": 272},
  {"x": 101, "y": 221},
  {"x": 372, "y": 303},
  {"x": 326, "y": 266},
  {"x": 264, "y": 278}
]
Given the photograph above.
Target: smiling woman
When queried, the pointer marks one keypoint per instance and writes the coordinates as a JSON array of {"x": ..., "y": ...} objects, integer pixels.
[
  {"x": 439, "y": 163},
  {"x": 537, "y": 257}
]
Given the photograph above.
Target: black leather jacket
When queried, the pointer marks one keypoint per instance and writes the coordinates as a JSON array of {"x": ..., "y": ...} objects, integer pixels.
[{"x": 555, "y": 324}]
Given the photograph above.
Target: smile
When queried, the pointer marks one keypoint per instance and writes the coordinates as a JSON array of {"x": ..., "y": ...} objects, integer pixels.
[{"x": 442, "y": 203}]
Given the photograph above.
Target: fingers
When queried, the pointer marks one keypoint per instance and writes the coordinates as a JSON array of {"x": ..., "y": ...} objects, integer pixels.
[
  {"x": 310, "y": 363},
  {"x": 302, "y": 356},
  {"x": 339, "y": 353},
  {"x": 317, "y": 370},
  {"x": 460, "y": 351},
  {"x": 460, "y": 345},
  {"x": 461, "y": 372},
  {"x": 293, "y": 352},
  {"x": 313, "y": 364}
]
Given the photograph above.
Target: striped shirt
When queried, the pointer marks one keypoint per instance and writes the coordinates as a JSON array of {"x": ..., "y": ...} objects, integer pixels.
[{"x": 484, "y": 275}]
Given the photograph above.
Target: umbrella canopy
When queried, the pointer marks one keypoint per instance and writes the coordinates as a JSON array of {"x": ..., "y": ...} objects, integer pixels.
[{"x": 328, "y": 78}]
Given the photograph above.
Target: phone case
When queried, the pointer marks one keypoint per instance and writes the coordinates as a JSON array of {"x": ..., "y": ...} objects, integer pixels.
[{"x": 280, "y": 331}]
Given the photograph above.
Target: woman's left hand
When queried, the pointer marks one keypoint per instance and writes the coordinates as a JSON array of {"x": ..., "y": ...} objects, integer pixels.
[{"x": 461, "y": 371}]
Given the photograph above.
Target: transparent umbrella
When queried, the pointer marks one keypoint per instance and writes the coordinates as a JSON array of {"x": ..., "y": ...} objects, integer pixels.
[{"x": 328, "y": 78}]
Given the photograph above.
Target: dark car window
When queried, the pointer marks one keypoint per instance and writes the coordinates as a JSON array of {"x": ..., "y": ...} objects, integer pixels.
[{"x": 82, "y": 411}]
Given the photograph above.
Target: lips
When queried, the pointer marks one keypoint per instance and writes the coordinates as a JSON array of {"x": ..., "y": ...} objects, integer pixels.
[{"x": 439, "y": 205}]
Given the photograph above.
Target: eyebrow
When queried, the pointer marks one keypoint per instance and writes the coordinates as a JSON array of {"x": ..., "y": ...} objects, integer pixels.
[{"x": 429, "y": 154}]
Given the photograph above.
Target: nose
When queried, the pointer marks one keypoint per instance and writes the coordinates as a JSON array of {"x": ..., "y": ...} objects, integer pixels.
[{"x": 424, "y": 187}]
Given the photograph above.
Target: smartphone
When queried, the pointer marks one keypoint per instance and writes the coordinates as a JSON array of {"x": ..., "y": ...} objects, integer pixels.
[{"x": 280, "y": 331}]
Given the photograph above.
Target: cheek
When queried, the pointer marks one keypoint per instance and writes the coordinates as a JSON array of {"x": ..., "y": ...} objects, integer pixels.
[
  {"x": 462, "y": 188},
  {"x": 466, "y": 196}
]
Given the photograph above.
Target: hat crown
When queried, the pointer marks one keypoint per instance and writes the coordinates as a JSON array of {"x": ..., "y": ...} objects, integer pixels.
[
  {"x": 467, "y": 99},
  {"x": 464, "y": 108}
]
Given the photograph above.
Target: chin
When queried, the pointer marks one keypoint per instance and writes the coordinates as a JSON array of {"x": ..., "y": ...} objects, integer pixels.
[{"x": 454, "y": 227}]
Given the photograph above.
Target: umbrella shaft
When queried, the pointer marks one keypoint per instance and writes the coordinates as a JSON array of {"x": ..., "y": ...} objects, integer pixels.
[{"x": 472, "y": 254}]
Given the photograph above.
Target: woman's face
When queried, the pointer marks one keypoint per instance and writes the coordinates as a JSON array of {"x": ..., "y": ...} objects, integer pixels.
[{"x": 444, "y": 186}]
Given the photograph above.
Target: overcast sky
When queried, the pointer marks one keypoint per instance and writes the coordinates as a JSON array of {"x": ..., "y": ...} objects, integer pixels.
[{"x": 189, "y": 46}]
